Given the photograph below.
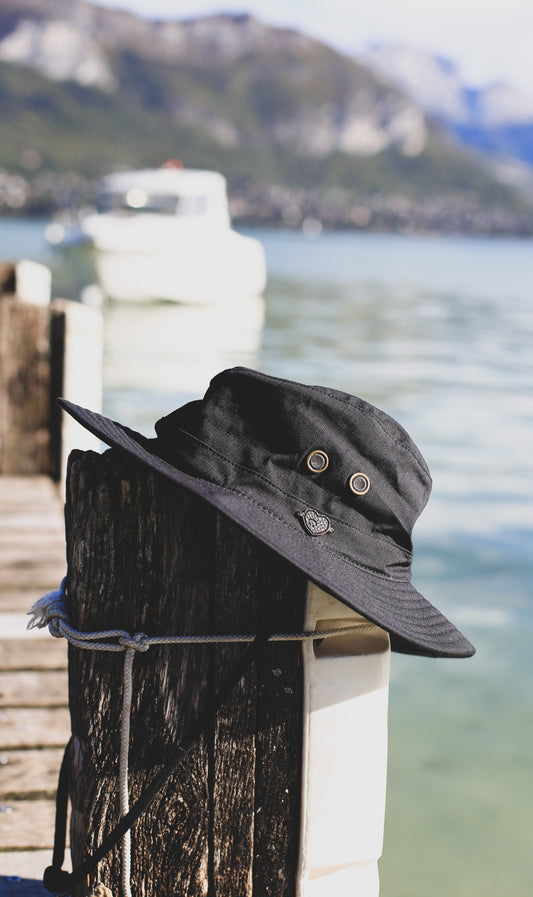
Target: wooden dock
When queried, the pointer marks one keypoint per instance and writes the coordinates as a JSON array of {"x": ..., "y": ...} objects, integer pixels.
[
  {"x": 34, "y": 717},
  {"x": 48, "y": 347}
]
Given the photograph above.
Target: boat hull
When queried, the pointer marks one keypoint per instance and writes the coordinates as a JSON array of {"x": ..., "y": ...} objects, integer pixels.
[{"x": 206, "y": 269}]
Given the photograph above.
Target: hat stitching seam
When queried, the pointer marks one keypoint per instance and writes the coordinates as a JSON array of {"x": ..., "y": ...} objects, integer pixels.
[
  {"x": 348, "y": 526},
  {"x": 342, "y": 556},
  {"x": 364, "y": 407},
  {"x": 369, "y": 411}
]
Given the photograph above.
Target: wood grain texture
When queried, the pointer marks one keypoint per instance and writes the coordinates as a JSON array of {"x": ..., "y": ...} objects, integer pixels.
[
  {"x": 236, "y": 604},
  {"x": 33, "y": 727},
  {"x": 24, "y": 387},
  {"x": 135, "y": 562},
  {"x": 279, "y": 733},
  {"x": 146, "y": 556}
]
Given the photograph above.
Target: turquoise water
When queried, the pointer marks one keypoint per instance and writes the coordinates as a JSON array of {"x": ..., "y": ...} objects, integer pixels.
[{"x": 437, "y": 332}]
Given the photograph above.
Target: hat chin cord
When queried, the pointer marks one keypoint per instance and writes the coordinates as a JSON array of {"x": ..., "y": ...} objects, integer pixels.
[{"x": 51, "y": 611}]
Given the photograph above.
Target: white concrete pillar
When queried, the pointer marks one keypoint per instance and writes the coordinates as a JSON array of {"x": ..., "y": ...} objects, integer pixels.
[
  {"x": 346, "y": 683},
  {"x": 82, "y": 372}
]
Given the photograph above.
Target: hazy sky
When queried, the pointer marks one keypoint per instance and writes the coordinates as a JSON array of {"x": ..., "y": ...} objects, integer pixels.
[{"x": 490, "y": 40}]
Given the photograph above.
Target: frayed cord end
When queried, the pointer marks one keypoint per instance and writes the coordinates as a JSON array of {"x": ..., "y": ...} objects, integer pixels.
[
  {"x": 48, "y": 608},
  {"x": 100, "y": 891}
]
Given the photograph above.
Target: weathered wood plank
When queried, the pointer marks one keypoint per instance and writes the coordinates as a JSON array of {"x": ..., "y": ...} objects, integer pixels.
[
  {"x": 15, "y": 543},
  {"x": 31, "y": 773},
  {"x": 32, "y": 552},
  {"x": 42, "y": 548},
  {"x": 34, "y": 727},
  {"x": 27, "y": 522},
  {"x": 25, "y": 516},
  {"x": 32, "y": 541},
  {"x": 33, "y": 654},
  {"x": 236, "y": 608},
  {"x": 39, "y": 485},
  {"x": 173, "y": 565},
  {"x": 14, "y": 625},
  {"x": 31, "y": 567},
  {"x": 19, "y": 601},
  {"x": 24, "y": 387},
  {"x": 27, "y": 824},
  {"x": 38, "y": 577},
  {"x": 279, "y": 733},
  {"x": 257, "y": 744},
  {"x": 34, "y": 688},
  {"x": 30, "y": 504},
  {"x": 143, "y": 572}
]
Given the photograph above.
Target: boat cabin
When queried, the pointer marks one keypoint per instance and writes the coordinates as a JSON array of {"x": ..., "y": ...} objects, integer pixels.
[{"x": 185, "y": 193}]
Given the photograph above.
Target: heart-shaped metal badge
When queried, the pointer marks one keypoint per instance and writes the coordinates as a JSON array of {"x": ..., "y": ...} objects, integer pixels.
[{"x": 315, "y": 523}]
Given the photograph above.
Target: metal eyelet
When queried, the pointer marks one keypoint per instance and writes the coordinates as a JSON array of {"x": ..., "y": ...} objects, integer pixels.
[
  {"x": 359, "y": 483},
  {"x": 317, "y": 461}
]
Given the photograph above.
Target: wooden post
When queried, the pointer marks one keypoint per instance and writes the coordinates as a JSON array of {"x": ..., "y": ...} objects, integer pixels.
[
  {"x": 146, "y": 556},
  {"x": 24, "y": 386},
  {"x": 29, "y": 281},
  {"x": 47, "y": 349}
]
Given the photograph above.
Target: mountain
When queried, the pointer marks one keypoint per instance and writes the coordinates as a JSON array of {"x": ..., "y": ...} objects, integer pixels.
[
  {"x": 497, "y": 119},
  {"x": 231, "y": 80},
  {"x": 291, "y": 123}
]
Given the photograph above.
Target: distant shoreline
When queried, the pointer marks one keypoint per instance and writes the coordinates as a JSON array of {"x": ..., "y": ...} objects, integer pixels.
[
  {"x": 275, "y": 206},
  {"x": 384, "y": 215}
]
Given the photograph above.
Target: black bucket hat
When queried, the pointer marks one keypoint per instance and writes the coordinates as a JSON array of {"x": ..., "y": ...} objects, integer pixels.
[{"x": 325, "y": 479}]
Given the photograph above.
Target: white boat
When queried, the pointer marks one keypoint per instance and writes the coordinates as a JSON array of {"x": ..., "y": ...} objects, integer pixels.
[{"x": 166, "y": 234}]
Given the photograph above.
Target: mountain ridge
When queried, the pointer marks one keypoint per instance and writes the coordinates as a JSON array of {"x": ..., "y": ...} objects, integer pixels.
[
  {"x": 87, "y": 90},
  {"x": 496, "y": 118}
]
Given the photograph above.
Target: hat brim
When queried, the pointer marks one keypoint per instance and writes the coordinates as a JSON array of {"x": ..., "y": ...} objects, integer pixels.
[{"x": 414, "y": 624}]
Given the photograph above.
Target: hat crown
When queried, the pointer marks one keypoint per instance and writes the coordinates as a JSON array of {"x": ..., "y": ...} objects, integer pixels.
[{"x": 269, "y": 426}]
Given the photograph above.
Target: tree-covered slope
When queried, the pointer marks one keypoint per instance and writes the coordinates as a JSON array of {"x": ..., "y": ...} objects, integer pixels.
[{"x": 88, "y": 90}]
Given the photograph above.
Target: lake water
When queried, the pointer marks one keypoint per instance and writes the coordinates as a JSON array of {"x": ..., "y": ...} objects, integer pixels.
[{"x": 437, "y": 332}]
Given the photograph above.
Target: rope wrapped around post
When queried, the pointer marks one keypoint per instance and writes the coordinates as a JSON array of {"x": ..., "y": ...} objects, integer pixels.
[{"x": 50, "y": 611}]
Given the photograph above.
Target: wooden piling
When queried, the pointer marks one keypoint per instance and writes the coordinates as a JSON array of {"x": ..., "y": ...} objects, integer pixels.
[
  {"x": 144, "y": 555},
  {"x": 24, "y": 387},
  {"x": 47, "y": 349}
]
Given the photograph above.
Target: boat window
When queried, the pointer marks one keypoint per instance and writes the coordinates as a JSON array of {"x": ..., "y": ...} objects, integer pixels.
[
  {"x": 192, "y": 205},
  {"x": 138, "y": 200}
]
